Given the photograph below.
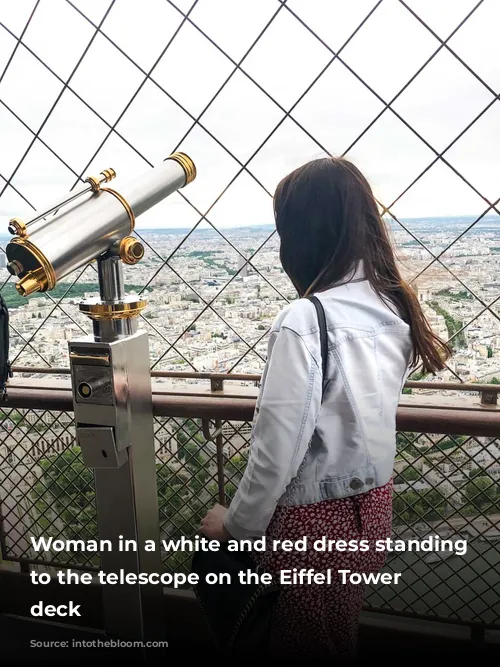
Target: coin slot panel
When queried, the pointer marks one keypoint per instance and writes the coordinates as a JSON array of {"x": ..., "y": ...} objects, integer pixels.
[{"x": 93, "y": 384}]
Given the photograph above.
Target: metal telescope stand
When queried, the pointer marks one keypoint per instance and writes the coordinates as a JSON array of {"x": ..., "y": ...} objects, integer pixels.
[
  {"x": 110, "y": 373},
  {"x": 111, "y": 382}
]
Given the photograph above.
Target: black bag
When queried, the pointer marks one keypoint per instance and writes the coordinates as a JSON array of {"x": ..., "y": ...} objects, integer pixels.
[
  {"x": 5, "y": 368},
  {"x": 239, "y": 615}
]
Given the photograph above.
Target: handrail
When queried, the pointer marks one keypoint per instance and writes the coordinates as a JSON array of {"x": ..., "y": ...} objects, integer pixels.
[
  {"x": 183, "y": 375},
  {"x": 471, "y": 422},
  {"x": 252, "y": 377}
]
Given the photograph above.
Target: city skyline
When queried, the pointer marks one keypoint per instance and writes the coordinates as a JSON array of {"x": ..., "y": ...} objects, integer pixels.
[{"x": 205, "y": 227}]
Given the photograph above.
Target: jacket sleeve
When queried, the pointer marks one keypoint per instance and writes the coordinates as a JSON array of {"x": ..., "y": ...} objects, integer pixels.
[{"x": 284, "y": 423}]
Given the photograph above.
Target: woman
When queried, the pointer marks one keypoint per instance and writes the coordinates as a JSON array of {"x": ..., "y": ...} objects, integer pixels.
[{"x": 334, "y": 244}]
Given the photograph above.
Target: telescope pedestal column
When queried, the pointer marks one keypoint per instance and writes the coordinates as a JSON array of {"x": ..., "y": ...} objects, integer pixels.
[{"x": 114, "y": 427}]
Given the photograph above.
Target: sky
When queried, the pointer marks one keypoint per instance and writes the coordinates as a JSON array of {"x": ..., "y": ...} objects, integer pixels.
[{"x": 261, "y": 115}]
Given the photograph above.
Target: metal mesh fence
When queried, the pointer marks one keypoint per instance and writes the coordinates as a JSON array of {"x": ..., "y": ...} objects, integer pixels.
[
  {"x": 288, "y": 82},
  {"x": 445, "y": 486}
]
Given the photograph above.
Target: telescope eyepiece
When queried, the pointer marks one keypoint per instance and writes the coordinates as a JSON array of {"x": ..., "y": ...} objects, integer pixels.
[
  {"x": 17, "y": 227},
  {"x": 33, "y": 281},
  {"x": 131, "y": 250}
]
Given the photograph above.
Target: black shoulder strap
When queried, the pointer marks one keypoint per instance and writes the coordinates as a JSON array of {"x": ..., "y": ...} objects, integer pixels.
[
  {"x": 5, "y": 368},
  {"x": 322, "y": 334}
]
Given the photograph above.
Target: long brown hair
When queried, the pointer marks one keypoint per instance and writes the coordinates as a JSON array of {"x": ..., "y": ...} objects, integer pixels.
[{"x": 328, "y": 220}]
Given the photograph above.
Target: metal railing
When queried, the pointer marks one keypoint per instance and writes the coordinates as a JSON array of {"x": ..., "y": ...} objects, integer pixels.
[
  {"x": 446, "y": 483},
  {"x": 488, "y": 392}
]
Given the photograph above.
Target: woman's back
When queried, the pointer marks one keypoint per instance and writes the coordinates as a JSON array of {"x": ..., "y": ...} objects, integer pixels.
[{"x": 369, "y": 354}]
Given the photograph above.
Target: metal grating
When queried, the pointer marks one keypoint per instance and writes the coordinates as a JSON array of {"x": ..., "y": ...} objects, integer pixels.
[
  {"x": 446, "y": 486},
  {"x": 248, "y": 112},
  {"x": 47, "y": 490}
]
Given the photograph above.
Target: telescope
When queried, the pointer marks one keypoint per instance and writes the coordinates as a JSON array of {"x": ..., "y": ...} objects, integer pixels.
[{"x": 110, "y": 369}]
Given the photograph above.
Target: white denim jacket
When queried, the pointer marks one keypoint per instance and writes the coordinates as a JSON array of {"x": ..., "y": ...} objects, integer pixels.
[{"x": 352, "y": 432}]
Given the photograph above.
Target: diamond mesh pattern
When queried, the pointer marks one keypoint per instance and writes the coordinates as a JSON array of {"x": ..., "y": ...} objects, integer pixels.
[
  {"x": 247, "y": 112},
  {"x": 224, "y": 87},
  {"x": 444, "y": 485},
  {"x": 45, "y": 488}
]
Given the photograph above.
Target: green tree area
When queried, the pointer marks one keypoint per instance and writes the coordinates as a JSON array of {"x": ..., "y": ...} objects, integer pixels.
[
  {"x": 187, "y": 486},
  {"x": 65, "y": 500},
  {"x": 413, "y": 506},
  {"x": 418, "y": 375},
  {"x": 452, "y": 325},
  {"x": 215, "y": 334},
  {"x": 446, "y": 443},
  {"x": 206, "y": 256},
  {"x": 494, "y": 380},
  {"x": 463, "y": 295},
  {"x": 407, "y": 475},
  {"x": 19, "y": 419},
  {"x": 482, "y": 494},
  {"x": 15, "y": 300},
  {"x": 405, "y": 447},
  {"x": 235, "y": 467},
  {"x": 203, "y": 253}
]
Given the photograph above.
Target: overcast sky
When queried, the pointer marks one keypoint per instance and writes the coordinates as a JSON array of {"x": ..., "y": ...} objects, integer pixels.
[{"x": 386, "y": 52}]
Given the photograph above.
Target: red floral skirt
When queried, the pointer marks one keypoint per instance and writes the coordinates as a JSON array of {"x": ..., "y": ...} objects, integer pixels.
[{"x": 321, "y": 620}]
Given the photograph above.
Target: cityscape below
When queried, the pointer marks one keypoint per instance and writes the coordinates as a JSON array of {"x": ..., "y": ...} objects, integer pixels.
[{"x": 212, "y": 297}]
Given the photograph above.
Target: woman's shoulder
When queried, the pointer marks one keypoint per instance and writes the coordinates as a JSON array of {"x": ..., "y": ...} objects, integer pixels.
[{"x": 299, "y": 315}]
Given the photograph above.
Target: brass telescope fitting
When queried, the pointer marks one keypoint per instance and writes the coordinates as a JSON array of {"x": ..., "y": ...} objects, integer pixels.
[
  {"x": 130, "y": 250},
  {"x": 125, "y": 205},
  {"x": 127, "y": 309},
  {"x": 17, "y": 227},
  {"x": 108, "y": 174},
  {"x": 40, "y": 279},
  {"x": 187, "y": 164},
  {"x": 34, "y": 281},
  {"x": 95, "y": 183}
]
